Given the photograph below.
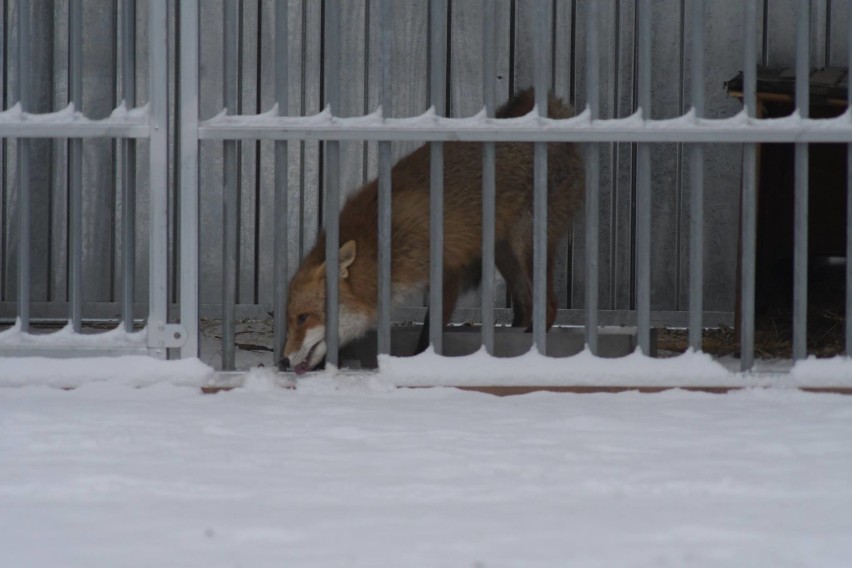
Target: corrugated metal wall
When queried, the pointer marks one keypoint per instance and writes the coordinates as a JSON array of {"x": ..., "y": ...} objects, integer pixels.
[{"x": 102, "y": 205}]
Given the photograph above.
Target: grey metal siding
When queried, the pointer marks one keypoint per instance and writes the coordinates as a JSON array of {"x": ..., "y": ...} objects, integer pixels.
[{"x": 670, "y": 90}]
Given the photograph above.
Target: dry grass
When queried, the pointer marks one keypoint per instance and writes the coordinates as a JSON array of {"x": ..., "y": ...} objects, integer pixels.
[{"x": 773, "y": 337}]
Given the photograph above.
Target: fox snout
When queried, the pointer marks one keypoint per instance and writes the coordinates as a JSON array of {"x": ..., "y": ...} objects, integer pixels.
[{"x": 306, "y": 354}]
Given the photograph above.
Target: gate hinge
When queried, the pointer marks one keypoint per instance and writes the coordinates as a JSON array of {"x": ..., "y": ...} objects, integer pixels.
[{"x": 162, "y": 335}]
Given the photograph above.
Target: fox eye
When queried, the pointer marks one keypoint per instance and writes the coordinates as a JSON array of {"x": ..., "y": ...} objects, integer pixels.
[{"x": 301, "y": 319}]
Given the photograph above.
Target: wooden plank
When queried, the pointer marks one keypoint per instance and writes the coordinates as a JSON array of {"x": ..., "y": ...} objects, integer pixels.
[
  {"x": 567, "y": 46},
  {"x": 722, "y": 162},
  {"x": 820, "y": 49},
  {"x": 41, "y": 79},
  {"x": 295, "y": 149},
  {"x": 250, "y": 87},
  {"x": 837, "y": 26},
  {"x": 98, "y": 155},
  {"x": 58, "y": 216},
  {"x": 666, "y": 96},
  {"x": 465, "y": 57},
  {"x": 465, "y": 81},
  {"x": 570, "y": 80},
  {"x": 522, "y": 69},
  {"x": 564, "y": 50},
  {"x": 210, "y": 179},
  {"x": 371, "y": 84},
  {"x": 410, "y": 46},
  {"x": 353, "y": 92},
  {"x": 311, "y": 170},
  {"x": 142, "y": 175},
  {"x": 266, "y": 245},
  {"x": 4, "y": 187},
  {"x": 621, "y": 211},
  {"x": 779, "y": 35},
  {"x": 11, "y": 161}
]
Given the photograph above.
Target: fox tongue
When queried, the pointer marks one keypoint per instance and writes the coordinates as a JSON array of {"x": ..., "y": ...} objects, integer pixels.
[{"x": 301, "y": 368}]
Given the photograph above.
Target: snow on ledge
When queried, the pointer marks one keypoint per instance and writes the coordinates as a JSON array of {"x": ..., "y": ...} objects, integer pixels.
[
  {"x": 836, "y": 370},
  {"x": 480, "y": 121},
  {"x": 131, "y": 370},
  {"x": 70, "y": 115},
  {"x": 584, "y": 369},
  {"x": 692, "y": 369},
  {"x": 66, "y": 337}
]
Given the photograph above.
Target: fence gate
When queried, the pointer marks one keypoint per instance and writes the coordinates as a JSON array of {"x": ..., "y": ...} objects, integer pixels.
[
  {"x": 691, "y": 130},
  {"x": 69, "y": 129}
]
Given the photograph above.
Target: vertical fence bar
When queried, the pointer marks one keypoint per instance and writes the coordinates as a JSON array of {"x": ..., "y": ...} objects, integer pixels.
[
  {"x": 696, "y": 183},
  {"x": 643, "y": 186},
  {"x": 800, "y": 256},
  {"x": 24, "y": 275},
  {"x": 4, "y": 101},
  {"x": 128, "y": 161},
  {"x": 75, "y": 165},
  {"x": 592, "y": 178},
  {"x": 159, "y": 201},
  {"x": 384, "y": 275},
  {"x": 280, "y": 226},
  {"x": 189, "y": 227},
  {"x": 541, "y": 36},
  {"x": 437, "y": 93},
  {"x": 849, "y": 201},
  {"x": 230, "y": 203},
  {"x": 749, "y": 194},
  {"x": 489, "y": 72},
  {"x": 332, "y": 190}
]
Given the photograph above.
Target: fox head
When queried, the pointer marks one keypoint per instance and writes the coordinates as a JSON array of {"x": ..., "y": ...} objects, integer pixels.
[{"x": 305, "y": 347}]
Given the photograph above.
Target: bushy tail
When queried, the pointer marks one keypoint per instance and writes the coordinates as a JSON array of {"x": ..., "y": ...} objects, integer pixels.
[{"x": 524, "y": 101}]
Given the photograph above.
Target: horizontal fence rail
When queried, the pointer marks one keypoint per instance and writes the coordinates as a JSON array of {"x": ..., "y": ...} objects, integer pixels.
[
  {"x": 69, "y": 123},
  {"x": 428, "y": 127}
]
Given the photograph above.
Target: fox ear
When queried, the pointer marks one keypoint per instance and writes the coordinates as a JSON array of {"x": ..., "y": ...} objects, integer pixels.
[{"x": 346, "y": 257}]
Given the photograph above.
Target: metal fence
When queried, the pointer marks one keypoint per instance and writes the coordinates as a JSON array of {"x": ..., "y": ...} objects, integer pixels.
[
  {"x": 605, "y": 138},
  {"x": 692, "y": 129},
  {"x": 69, "y": 128}
]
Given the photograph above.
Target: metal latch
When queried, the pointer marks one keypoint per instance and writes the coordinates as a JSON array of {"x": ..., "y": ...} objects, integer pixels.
[{"x": 166, "y": 335}]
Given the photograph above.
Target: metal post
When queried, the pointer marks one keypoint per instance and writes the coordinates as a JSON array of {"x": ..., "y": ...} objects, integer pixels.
[
  {"x": 489, "y": 73},
  {"x": 332, "y": 191},
  {"x": 849, "y": 205},
  {"x": 158, "y": 97},
  {"x": 128, "y": 160},
  {"x": 4, "y": 101},
  {"x": 24, "y": 169},
  {"x": 643, "y": 187},
  {"x": 280, "y": 275},
  {"x": 231, "y": 188},
  {"x": 541, "y": 47},
  {"x": 749, "y": 194},
  {"x": 592, "y": 178},
  {"x": 385, "y": 192},
  {"x": 800, "y": 271},
  {"x": 438, "y": 81},
  {"x": 75, "y": 165},
  {"x": 189, "y": 226},
  {"x": 696, "y": 183}
]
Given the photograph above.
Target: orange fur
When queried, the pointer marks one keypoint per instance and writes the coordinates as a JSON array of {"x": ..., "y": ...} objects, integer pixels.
[{"x": 462, "y": 229}]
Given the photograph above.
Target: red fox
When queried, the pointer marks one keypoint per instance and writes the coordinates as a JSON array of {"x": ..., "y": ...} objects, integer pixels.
[{"x": 305, "y": 347}]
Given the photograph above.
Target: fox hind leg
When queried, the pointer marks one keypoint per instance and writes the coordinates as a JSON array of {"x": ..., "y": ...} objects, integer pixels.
[{"x": 515, "y": 272}]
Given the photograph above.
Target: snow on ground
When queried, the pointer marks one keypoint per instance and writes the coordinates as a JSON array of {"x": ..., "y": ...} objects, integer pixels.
[{"x": 348, "y": 471}]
